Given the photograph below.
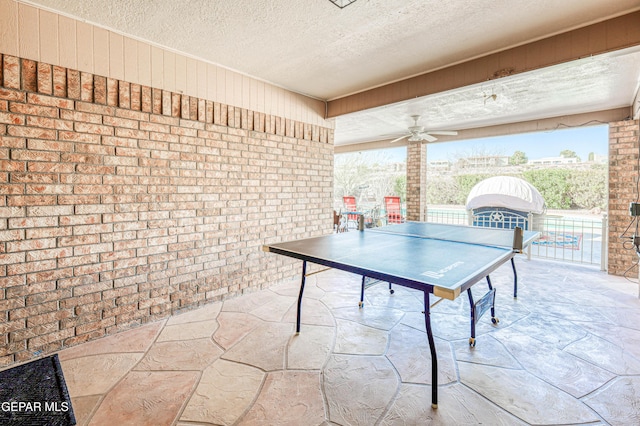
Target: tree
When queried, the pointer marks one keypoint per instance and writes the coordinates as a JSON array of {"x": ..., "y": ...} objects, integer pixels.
[
  {"x": 368, "y": 176},
  {"x": 518, "y": 158},
  {"x": 567, "y": 153},
  {"x": 400, "y": 187},
  {"x": 349, "y": 172},
  {"x": 442, "y": 190}
]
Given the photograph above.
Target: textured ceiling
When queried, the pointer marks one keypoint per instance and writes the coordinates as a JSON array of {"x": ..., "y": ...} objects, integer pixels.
[
  {"x": 315, "y": 48},
  {"x": 592, "y": 84}
]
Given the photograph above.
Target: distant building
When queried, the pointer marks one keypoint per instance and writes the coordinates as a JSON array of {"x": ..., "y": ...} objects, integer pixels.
[
  {"x": 598, "y": 159},
  {"x": 440, "y": 164},
  {"x": 483, "y": 162},
  {"x": 551, "y": 161}
]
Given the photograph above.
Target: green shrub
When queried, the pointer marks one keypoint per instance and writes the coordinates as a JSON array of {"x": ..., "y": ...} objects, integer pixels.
[
  {"x": 561, "y": 188},
  {"x": 588, "y": 188},
  {"x": 466, "y": 183},
  {"x": 442, "y": 190}
]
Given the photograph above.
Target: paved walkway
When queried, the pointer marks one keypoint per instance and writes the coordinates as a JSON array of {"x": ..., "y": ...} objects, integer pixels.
[{"x": 567, "y": 351}]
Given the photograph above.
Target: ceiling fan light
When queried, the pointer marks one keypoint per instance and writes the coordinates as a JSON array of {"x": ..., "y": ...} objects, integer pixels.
[{"x": 419, "y": 134}]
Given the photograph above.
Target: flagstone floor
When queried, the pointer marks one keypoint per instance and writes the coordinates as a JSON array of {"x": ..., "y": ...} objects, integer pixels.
[{"x": 566, "y": 351}]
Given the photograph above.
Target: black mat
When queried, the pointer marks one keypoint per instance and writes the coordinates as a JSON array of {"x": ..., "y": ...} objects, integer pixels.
[{"x": 35, "y": 394}]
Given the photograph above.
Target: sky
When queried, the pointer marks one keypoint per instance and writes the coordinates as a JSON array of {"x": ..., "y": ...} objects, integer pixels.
[{"x": 582, "y": 141}]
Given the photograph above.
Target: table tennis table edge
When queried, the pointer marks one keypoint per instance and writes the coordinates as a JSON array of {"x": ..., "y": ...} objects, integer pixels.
[
  {"x": 405, "y": 282},
  {"x": 438, "y": 291}
]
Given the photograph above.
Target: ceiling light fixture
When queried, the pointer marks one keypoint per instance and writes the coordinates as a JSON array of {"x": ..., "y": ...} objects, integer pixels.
[
  {"x": 491, "y": 96},
  {"x": 342, "y": 3}
]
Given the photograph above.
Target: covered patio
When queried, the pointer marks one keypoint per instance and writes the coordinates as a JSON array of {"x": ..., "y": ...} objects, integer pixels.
[
  {"x": 150, "y": 149},
  {"x": 564, "y": 352}
]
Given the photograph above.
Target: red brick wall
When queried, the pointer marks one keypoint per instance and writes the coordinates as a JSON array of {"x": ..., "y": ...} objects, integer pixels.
[
  {"x": 623, "y": 175},
  {"x": 417, "y": 181},
  {"x": 121, "y": 204}
]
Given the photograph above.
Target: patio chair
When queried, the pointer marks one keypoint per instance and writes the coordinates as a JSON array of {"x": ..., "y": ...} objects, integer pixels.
[
  {"x": 393, "y": 209},
  {"x": 339, "y": 222},
  {"x": 373, "y": 220},
  {"x": 350, "y": 206}
]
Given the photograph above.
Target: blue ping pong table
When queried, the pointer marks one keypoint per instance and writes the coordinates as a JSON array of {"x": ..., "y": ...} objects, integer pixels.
[{"x": 443, "y": 260}]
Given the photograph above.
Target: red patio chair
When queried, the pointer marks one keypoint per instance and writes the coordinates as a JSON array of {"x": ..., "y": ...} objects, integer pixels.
[
  {"x": 393, "y": 209},
  {"x": 350, "y": 206}
]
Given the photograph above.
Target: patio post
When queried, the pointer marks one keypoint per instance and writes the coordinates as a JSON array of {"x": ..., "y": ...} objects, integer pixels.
[{"x": 417, "y": 182}]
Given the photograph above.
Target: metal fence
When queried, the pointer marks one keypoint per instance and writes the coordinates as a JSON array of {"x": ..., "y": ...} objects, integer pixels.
[
  {"x": 573, "y": 240},
  {"x": 562, "y": 238}
]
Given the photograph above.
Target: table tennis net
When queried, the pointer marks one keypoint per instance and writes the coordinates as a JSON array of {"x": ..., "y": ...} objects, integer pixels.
[{"x": 503, "y": 238}]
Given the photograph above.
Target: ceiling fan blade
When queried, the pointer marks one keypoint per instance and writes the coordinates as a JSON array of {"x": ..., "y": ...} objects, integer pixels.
[
  {"x": 443, "y": 132},
  {"x": 427, "y": 137},
  {"x": 399, "y": 139}
]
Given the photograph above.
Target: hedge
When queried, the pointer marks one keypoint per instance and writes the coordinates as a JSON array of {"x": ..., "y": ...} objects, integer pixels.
[{"x": 561, "y": 188}]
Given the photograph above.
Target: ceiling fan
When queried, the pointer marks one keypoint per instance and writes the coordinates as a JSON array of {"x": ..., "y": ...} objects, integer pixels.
[{"x": 419, "y": 134}]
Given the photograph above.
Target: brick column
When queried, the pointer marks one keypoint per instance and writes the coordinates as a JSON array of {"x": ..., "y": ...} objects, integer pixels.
[
  {"x": 416, "y": 181},
  {"x": 623, "y": 175}
]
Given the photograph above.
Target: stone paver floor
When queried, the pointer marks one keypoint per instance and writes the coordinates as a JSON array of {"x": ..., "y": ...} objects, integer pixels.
[{"x": 567, "y": 351}]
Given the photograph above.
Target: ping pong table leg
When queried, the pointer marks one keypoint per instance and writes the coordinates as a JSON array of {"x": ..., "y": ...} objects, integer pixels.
[
  {"x": 304, "y": 276},
  {"x": 364, "y": 285},
  {"x": 477, "y": 309},
  {"x": 432, "y": 348},
  {"x": 494, "y": 320},
  {"x": 515, "y": 278},
  {"x": 472, "y": 339}
]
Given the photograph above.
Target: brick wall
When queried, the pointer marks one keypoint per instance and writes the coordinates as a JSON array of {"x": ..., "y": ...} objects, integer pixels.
[
  {"x": 121, "y": 204},
  {"x": 623, "y": 178}
]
